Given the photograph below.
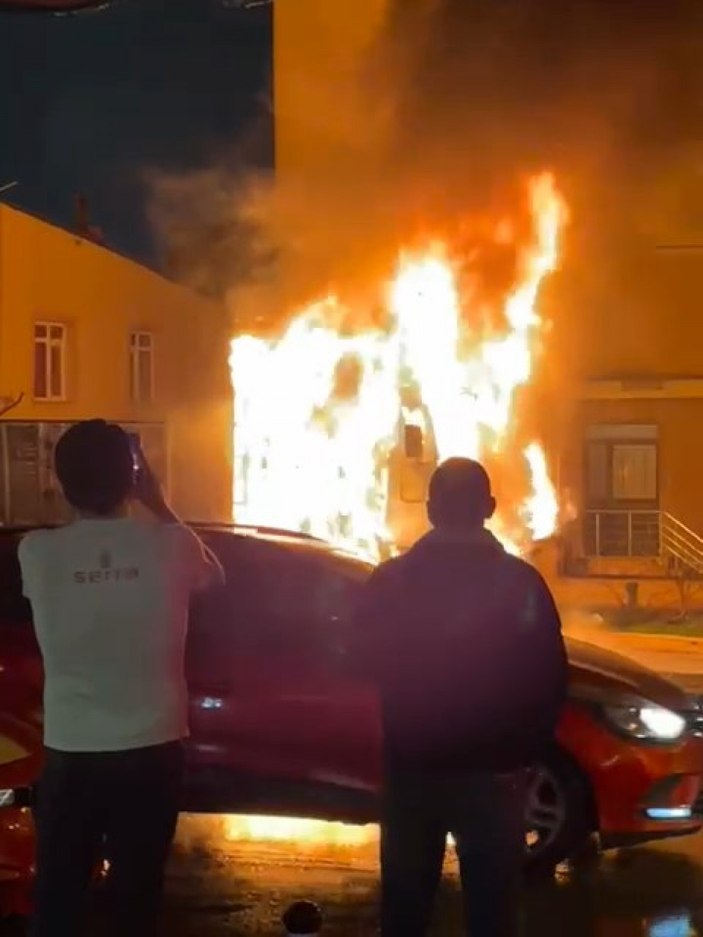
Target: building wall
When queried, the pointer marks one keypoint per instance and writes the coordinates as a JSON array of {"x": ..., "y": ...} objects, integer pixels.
[
  {"x": 641, "y": 316},
  {"x": 47, "y": 274},
  {"x": 318, "y": 48}
]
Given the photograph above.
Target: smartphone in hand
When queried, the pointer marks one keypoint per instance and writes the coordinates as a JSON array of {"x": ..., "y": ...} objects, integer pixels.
[{"x": 137, "y": 457}]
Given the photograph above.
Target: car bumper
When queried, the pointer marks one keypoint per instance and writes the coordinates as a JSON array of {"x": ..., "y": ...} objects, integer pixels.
[{"x": 640, "y": 791}]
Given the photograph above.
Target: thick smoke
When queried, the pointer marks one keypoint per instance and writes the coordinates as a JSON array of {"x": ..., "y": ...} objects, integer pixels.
[{"x": 441, "y": 118}]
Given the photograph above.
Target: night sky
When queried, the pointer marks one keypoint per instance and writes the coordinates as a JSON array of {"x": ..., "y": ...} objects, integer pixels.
[
  {"x": 96, "y": 102},
  {"x": 606, "y": 92}
]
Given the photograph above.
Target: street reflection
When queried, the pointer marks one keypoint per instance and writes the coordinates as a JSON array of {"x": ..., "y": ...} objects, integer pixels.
[{"x": 241, "y": 885}]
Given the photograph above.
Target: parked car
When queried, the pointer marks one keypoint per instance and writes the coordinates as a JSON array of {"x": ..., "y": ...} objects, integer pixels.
[
  {"x": 280, "y": 726},
  {"x": 20, "y": 761}
]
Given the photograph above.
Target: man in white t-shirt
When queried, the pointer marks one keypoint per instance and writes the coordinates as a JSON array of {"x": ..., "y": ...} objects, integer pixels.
[{"x": 110, "y": 595}]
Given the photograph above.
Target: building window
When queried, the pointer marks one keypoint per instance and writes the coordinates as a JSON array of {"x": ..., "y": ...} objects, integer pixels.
[
  {"x": 141, "y": 366},
  {"x": 49, "y": 361},
  {"x": 634, "y": 472},
  {"x": 622, "y": 466}
]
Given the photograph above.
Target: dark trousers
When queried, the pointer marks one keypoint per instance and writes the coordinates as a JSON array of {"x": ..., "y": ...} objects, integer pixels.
[
  {"x": 118, "y": 806},
  {"x": 485, "y": 814}
]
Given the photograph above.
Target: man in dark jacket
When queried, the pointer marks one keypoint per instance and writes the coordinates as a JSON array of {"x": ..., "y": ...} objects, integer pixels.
[{"x": 464, "y": 643}]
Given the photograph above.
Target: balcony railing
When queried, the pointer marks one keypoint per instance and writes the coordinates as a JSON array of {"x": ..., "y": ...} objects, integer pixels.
[{"x": 634, "y": 534}]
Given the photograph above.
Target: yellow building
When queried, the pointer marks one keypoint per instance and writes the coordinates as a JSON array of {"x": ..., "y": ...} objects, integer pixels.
[
  {"x": 632, "y": 455},
  {"x": 319, "y": 49},
  {"x": 623, "y": 427},
  {"x": 85, "y": 333}
]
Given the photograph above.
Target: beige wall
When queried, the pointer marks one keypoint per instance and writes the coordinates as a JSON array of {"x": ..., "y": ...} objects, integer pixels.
[
  {"x": 47, "y": 274},
  {"x": 648, "y": 320},
  {"x": 319, "y": 47}
]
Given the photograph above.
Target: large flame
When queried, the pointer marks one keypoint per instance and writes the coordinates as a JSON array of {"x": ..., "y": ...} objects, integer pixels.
[
  {"x": 319, "y": 413},
  {"x": 320, "y": 409}
]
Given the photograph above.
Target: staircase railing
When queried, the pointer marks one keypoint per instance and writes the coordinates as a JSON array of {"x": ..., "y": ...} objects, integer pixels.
[
  {"x": 680, "y": 544},
  {"x": 643, "y": 535}
]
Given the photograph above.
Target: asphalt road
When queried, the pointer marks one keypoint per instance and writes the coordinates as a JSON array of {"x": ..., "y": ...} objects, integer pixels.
[{"x": 218, "y": 887}]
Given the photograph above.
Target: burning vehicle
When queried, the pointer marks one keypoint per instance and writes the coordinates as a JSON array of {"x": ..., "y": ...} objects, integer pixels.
[{"x": 351, "y": 409}]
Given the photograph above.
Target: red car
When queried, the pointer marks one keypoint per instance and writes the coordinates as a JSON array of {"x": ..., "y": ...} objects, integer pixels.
[{"x": 279, "y": 726}]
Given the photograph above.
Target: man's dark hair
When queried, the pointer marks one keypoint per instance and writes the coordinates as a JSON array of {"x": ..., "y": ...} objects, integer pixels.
[
  {"x": 94, "y": 466},
  {"x": 460, "y": 494}
]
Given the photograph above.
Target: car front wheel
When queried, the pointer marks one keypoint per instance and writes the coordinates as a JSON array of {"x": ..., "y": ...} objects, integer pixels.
[{"x": 559, "y": 817}]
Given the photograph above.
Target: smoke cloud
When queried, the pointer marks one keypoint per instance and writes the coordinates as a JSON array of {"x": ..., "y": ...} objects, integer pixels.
[{"x": 440, "y": 119}]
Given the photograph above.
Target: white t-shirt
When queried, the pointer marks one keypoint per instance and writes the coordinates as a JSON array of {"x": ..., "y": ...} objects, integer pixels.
[{"x": 110, "y": 602}]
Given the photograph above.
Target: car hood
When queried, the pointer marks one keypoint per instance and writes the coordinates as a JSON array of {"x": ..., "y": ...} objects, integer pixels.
[{"x": 606, "y": 670}]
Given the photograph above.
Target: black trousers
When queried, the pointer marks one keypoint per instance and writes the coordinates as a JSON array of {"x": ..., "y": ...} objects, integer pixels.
[
  {"x": 485, "y": 813},
  {"x": 118, "y": 806}
]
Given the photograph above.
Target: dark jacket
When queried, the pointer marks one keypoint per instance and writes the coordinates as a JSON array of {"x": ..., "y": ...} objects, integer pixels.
[{"x": 464, "y": 643}]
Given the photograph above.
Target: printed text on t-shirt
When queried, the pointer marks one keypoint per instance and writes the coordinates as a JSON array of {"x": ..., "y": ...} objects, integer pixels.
[{"x": 93, "y": 576}]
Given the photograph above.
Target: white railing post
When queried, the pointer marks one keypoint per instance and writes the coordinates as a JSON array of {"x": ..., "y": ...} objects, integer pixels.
[
  {"x": 598, "y": 553},
  {"x": 629, "y": 533}
]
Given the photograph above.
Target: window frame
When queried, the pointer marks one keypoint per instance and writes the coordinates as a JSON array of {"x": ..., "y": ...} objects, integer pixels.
[
  {"x": 613, "y": 438},
  {"x": 241, "y": 618},
  {"x": 136, "y": 350},
  {"x": 50, "y": 342}
]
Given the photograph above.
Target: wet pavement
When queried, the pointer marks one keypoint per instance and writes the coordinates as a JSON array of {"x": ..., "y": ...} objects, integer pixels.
[{"x": 218, "y": 887}]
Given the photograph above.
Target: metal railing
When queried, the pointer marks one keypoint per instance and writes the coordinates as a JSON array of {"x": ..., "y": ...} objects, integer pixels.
[
  {"x": 615, "y": 533},
  {"x": 680, "y": 545},
  {"x": 643, "y": 535}
]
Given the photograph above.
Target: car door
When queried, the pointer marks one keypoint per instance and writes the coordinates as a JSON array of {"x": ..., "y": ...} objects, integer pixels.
[{"x": 270, "y": 693}]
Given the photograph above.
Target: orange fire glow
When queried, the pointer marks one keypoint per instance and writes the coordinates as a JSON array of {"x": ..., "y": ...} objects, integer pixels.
[
  {"x": 294, "y": 830},
  {"x": 320, "y": 409}
]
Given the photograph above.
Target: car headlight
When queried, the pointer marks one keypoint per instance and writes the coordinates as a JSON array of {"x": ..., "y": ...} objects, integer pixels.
[{"x": 646, "y": 721}]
